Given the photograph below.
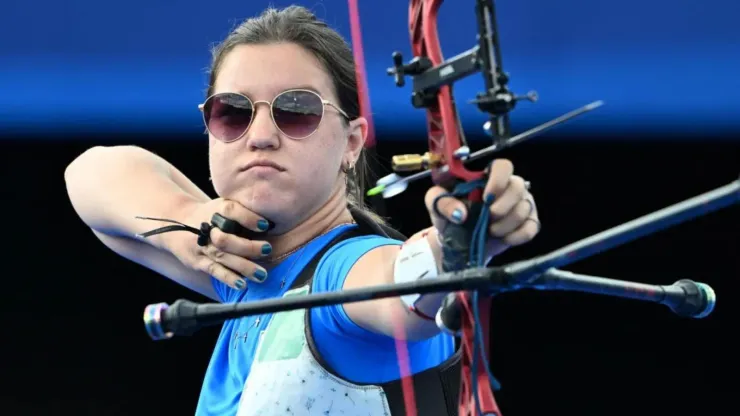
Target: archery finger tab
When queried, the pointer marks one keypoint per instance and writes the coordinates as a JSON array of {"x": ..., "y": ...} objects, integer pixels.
[
  {"x": 236, "y": 228},
  {"x": 235, "y": 216}
]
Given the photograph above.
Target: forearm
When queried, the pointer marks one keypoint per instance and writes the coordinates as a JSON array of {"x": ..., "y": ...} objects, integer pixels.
[
  {"x": 425, "y": 308},
  {"x": 392, "y": 316},
  {"x": 109, "y": 186}
]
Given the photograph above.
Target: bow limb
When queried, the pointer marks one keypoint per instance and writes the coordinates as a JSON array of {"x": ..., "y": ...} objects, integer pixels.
[
  {"x": 446, "y": 141},
  {"x": 402, "y": 352},
  {"x": 445, "y": 133}
]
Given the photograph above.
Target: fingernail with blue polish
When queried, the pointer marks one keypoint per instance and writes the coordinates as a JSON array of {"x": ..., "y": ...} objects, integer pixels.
[
  {"x": 457, "y": 215},
  {"x": 266, "y": 249},
  {"x": 489, "y": 199},
  {"x": 263, "y": 225},
  {"x": 260, "y": 275},
  {"x": 240, "y": 284}
]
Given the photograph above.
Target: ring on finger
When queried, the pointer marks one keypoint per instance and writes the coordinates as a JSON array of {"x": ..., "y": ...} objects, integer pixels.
[{"x": 528, "y": 199}]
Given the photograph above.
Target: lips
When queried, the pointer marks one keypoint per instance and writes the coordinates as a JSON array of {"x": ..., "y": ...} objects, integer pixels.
[{"x": 263, "y": 163}]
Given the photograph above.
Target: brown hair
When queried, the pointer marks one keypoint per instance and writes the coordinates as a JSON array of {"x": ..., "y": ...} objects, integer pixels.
[{"x": 298, "y": 25}]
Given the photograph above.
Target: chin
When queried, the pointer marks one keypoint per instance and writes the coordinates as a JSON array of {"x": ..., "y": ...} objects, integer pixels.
[{"x": 269, "y": 203}]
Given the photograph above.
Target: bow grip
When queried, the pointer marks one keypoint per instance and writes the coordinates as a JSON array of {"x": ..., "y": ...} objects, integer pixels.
[
  {"x": 232, "y": 227},
  {"x": 456, "y": 239}
]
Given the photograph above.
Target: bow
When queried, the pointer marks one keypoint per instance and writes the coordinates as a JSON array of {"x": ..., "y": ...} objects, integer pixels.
[
  {"x": 465, "y": 313},
  {"x": 470, "y": 284},
  {"x": 463, "y": 245}
]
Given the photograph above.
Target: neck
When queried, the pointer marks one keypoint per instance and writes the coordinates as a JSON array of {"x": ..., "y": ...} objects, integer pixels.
[{"x": 333, "y": 213}]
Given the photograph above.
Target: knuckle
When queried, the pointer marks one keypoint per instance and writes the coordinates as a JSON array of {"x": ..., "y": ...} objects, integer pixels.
[
  {"x": 505, "y": 164},
  {"x": 430, "y": 196},
  {"x": 228, "y": 208},
  {"x": 530, "y": 230},
  {"x": 497, "y": 210},
  {"x": 219, "y": 238},
  {"x": 518, "y": 184},
  {"x": 254, "y": 248},
  {"x": 495, "y": 231},
  {"x": 209, "y": 266},
  {"x": 215, "y": 253},
  {"x": 522, "y": 211},
  {"x": 213, "y": 268},
  {"x": 248, "y": 269}
]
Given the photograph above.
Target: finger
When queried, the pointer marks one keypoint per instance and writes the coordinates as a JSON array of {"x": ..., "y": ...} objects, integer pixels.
[
  {"x": 498, "y": 177},
  {"x": 237, "y": 264},
  {"x": 248, "y": 219},
  {"x": 509, "y": 198},
  {"x": 512, "y": 220},
  {"x": 230, "y": 243},
  {"x": 450, "y": 208},
  {"x": 221, "y": 273},
  {"x": 525, "y": 233}
]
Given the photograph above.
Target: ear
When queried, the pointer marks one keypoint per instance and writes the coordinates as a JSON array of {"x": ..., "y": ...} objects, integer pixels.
[{"x": 357, "y": 134}]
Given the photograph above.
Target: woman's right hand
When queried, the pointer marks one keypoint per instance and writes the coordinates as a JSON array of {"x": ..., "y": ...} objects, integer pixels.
[{"x": 227, "y": 257}]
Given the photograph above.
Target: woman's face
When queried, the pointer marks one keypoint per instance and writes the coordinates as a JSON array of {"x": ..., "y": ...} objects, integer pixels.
[{"x": 309, "y": 169}]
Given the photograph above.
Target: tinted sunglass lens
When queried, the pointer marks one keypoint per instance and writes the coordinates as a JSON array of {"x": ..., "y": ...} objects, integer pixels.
[
  {"x": 298, "y": 113},
  {"x": 227, "y": 116}
]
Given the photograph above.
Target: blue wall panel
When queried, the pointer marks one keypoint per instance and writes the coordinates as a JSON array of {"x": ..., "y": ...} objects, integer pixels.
[{"x": 140, "y": 65}]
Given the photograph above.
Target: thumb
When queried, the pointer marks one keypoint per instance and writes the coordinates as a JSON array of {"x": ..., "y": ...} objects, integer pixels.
[{"x": 445, "y": 207}]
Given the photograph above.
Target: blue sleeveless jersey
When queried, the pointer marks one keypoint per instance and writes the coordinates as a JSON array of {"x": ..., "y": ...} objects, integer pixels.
[{"x": 354, "y": 353}]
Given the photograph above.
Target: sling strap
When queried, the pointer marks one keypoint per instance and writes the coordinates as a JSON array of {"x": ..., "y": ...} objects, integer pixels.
[{"x": 438, "y": 385}]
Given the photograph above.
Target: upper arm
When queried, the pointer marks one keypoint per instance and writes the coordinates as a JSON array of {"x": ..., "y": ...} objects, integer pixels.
[
  {"x": 347, "y": 336},
  {"x": 389, "y": 316},
  {"x": 373, "y": 269},
  {"x": 361, "y": 263},
  {"x": 161, "y": 262}
]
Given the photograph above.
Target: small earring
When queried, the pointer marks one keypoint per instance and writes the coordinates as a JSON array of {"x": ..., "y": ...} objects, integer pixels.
[{"x": 348, "y": 167}]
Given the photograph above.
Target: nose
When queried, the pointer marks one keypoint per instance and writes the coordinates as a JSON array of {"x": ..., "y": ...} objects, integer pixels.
[{"x": 262, "y": 133}]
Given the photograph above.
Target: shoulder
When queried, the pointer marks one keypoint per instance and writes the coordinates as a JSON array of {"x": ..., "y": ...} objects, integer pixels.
[{"x": 341, "y": 258}]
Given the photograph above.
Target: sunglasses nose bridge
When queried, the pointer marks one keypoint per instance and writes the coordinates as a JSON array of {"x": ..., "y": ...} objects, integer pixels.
[
  {"x": 255, "y": 124},
  {"x": 255, "y": 105}
]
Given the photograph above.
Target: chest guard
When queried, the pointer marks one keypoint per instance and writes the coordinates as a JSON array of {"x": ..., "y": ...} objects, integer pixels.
[{"x": 288, "y": 375}]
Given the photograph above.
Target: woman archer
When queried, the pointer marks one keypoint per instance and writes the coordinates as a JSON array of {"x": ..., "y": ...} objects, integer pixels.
[{"x": 286, "y": 160}]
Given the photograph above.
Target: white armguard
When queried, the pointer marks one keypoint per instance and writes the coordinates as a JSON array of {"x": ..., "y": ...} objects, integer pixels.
[{"x": 414, "y": 262}]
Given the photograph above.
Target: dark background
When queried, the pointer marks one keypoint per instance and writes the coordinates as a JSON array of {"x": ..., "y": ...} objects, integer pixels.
[{"x": 74, "y": 342}]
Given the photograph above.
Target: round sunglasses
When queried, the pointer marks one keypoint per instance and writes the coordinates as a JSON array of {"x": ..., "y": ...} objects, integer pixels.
[{"x": 296, "y": 113}]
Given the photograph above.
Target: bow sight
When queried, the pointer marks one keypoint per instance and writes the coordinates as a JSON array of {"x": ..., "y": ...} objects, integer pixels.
[
  {"x": 428, "y": 79},
  {"x": 497, "y": 99}
]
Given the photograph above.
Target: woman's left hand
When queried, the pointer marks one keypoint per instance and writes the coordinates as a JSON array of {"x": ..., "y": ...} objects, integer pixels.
[{"x": 514, "y": 220}]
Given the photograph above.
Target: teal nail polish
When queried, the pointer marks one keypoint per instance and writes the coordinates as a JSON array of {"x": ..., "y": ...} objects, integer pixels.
[
  {"x": 263, "y": 225},
  {"x": 260, "y": 275},
  {"x": 240, "y": 284},
  {"x": 266, "y": 249},
  {"x": 457, "y": 215}
]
